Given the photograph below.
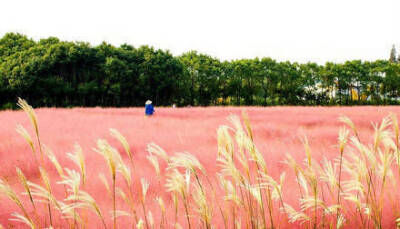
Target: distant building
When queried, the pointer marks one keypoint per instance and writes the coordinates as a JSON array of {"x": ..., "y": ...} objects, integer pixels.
[{"x": 392, "y": 57}]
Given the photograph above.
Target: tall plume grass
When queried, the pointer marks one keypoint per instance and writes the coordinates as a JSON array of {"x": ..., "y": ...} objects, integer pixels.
[
  {"x": 352, "y": 189},
  {"x": 34, "y": 121}
]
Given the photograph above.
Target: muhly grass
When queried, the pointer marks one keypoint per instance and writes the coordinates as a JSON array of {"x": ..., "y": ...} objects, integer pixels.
[{"x": 357, "y": 188}]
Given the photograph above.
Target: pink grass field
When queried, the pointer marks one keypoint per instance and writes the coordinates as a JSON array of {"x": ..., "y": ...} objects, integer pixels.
[{"x": 277, "y": 131}]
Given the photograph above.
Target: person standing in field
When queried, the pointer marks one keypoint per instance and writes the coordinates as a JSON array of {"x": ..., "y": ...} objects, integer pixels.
[{"x": 149, "y": 109}]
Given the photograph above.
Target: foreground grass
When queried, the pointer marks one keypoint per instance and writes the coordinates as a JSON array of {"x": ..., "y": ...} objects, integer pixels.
[{"x": 356, "y": 189}]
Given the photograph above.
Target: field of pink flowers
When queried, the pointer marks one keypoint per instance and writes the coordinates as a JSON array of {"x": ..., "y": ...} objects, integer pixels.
[{"x": 276, "y": 130}]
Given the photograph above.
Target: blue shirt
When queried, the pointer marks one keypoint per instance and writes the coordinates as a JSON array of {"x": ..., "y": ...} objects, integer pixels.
[{"x": 149, "y": 109}]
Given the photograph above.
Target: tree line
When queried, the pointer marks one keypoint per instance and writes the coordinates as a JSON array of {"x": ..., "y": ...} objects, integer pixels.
[{"x": 51, "y": 72}]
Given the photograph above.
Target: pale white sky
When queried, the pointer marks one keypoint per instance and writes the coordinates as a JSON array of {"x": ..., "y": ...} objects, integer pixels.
[{"x": 295, "y": 30}]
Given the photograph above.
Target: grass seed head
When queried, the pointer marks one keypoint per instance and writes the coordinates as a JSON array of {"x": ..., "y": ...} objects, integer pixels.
[
  {"x": 161, "y": 204},
  {"x": 24, "y": 183},
  {"x": 53, "y": 160},
  {"x": 72, "y": 180},
  {"x": 23, "y": 219},
  {"x": 103, "y": 179},
  {"x": 341, "y": 221},
  {"x": 140, "y": 224},
  {"x": 79, "y": 160},
  {"x": 346, "y": 120},
  {"x": 225, "y": 143},
  {"x": 117, "y": 135},
  {"x": 145, "y": 187},
  {"x": 30, "y": 112},
  {"x": 45, "y": 179},
  {"x": 24, "y": 133},
  {"x": 203, "y": 207},
  {"x": 295, "y": 216},
  {"x": 43, "y": 194},
  {"x": 150, "y": 219},
  {"x": 119, "y": 213},
  {"x": 6, "y": 189},
  {"x": 343, "y": 138},
  {"x": 395, "y": 124},
  {"x": 109, "y": 155},
  {"x": 157, "y": 150},
  {"x": 154, "y": 161},
  {"x": 83, "y": 200},
  {"x": 125, "y": 171},
  {"x": 186, "y": 161},
  {"x": 176, "y": 182}
]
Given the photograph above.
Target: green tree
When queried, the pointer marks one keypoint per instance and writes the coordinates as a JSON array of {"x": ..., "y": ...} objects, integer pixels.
[{"x": 203, "y": 76}]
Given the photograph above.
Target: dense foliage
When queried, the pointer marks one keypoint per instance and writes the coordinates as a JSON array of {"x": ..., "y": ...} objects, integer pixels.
[{"x": 50, "y": 72}]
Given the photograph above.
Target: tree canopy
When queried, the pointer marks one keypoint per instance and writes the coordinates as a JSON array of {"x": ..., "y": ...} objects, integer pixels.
[{"x": 50, "y": 72}]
